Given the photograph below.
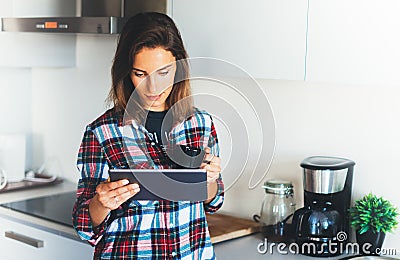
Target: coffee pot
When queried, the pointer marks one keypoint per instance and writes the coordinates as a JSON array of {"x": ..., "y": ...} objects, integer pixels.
[{"x": 323, "y": 222}]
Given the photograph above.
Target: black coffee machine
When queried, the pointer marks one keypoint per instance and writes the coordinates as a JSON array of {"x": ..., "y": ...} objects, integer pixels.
[{"x": 322, "y": 225}]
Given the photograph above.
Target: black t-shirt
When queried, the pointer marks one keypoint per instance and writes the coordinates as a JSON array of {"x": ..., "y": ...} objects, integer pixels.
[{"x": 154, "y": 123}]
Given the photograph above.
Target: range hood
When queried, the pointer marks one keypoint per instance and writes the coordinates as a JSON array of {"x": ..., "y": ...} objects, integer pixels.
[{"x": 97, "y": 17}]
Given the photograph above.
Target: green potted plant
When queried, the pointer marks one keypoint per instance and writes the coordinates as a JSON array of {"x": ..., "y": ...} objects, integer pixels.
[{"x": 372, "y": 218}]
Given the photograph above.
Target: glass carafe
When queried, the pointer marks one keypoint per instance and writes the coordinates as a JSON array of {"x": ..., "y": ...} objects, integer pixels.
[{"x": 277, "y": 209}]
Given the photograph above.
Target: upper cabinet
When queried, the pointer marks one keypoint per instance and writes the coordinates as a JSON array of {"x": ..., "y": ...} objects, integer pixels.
[
  {"x": 265, "y": 38},
  {"x": 36, "y": 49},
  {"x": 354, "y": 41}
]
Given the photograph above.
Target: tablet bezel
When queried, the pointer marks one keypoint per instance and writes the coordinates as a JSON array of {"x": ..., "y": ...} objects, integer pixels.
[{"x": 184, "y": 184}]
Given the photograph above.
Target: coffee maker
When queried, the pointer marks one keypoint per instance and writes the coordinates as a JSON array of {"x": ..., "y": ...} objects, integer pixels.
[{"x": 322, "y": 226}]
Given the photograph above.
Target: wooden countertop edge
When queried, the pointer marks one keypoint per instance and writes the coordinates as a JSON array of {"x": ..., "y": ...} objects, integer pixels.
[{"x": 234, "y": 235}]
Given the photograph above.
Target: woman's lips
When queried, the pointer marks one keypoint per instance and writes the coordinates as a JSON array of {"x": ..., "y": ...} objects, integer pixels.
[{"x": 154, "y": 97}]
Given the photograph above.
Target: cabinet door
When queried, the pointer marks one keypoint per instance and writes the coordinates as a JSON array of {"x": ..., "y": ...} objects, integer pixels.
[
  {"x": 266, "y": 38},
  {"x": 354, "y": 41},
  {"x": 36, "y": 49},
  {"x": 18, "y": 241}
]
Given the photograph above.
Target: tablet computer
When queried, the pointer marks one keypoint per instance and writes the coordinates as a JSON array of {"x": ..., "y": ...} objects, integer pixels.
[{"x": 165, "y": 184}]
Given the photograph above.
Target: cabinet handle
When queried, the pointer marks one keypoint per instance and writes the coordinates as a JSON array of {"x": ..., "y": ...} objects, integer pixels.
[{"x": 24, "y": 239}]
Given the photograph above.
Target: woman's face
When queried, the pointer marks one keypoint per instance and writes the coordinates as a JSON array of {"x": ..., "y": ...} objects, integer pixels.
[{"x": 153, "y": 76}]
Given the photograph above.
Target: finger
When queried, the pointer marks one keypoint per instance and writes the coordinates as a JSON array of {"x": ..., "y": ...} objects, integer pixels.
[
  {"x": 203, "y": 165},
  {"x": 212, "y": 173},
  {"x": 127, "y": 195},
  {"x": 207, "y": 150},
  {"x": 212, "y": 176},
  {"x": 118, "y": 191},
  {"x": 216, "y": 160},
  {"x": 104, "y": 188},
  {"x": 207, "y": 166},
  {"x": 211, "y": 179},
  {"x": 114, "y": 185},
  {"x": 208, "y": 158},
  {"x": 212, "y": 168},
  {"x": 114, "y": 202}
]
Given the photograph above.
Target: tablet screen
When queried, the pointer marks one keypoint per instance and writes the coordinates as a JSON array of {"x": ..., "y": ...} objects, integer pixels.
[{"x": 165, "y": 184}]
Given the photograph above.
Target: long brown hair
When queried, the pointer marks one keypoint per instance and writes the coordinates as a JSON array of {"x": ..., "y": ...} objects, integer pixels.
[{"x": 150, "y": 30}]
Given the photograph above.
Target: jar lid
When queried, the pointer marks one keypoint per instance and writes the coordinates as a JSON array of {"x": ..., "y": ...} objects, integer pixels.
[{"x": 280, "y": 187}]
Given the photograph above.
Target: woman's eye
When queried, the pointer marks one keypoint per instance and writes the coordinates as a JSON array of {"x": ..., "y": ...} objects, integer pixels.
[
  {"x": 164, "y": 73},
  {"x": 139, "y": 74}
]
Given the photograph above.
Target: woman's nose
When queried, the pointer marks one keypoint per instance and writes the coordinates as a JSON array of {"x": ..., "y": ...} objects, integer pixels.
[{"x": 151, "y": 84}]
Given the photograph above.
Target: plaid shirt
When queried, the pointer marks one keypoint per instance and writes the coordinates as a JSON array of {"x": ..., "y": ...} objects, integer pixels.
[{"x": 141, "y": 229}]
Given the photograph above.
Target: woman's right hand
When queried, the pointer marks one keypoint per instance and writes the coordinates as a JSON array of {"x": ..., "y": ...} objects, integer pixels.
[{"x": 109, "y": 196}]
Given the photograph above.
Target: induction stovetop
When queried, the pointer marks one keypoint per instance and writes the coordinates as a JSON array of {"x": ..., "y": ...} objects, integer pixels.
[{"x": 56, "y": 208}]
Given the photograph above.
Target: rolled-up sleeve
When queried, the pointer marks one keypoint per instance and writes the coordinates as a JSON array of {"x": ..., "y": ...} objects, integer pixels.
[
  {"x": 91, "y": 164},
  {"x": 218, "y": 200}
]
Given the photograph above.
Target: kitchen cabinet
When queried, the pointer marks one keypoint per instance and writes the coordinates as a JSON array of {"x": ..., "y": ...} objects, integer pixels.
[
  {"x": 58, "y": 241},
  {"x": 265, "y": 38},
  {"x": 25, "y": 50},
  {"x": 38, "y": 244},
  {"x": 354, "y": 41}
]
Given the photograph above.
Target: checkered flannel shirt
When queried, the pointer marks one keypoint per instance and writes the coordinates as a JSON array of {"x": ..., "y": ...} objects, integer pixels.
[{"x": 141, "y": 229}]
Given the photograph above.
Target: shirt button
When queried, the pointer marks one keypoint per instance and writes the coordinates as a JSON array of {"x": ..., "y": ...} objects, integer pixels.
[
  {"x": 173, "y": 254},
  {"x": 171, "y": 225},
  {"x": 153, "y": 143}
]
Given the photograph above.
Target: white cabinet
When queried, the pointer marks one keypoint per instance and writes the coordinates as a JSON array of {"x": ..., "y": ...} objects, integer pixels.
[
  {"x": 354, "y": 41},
  {"x": 18, "y": 241},
  {"x": 36, "y": 49},
  {"x": 266, "y": 38}
]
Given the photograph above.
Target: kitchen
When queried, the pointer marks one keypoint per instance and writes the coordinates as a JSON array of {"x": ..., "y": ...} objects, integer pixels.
[{"x": 332, "y": 89}]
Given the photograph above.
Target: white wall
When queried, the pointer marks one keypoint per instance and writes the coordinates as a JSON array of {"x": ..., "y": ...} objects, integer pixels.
[
  {"x": 32, "y": 49},
  {"x": 16, "y": 105},
  {"x": 65, "y": 100},
  {"x": 353, "y": 121}
]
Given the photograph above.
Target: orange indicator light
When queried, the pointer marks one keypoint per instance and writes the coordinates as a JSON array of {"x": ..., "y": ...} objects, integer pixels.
[{"x": 50, "y": 25}]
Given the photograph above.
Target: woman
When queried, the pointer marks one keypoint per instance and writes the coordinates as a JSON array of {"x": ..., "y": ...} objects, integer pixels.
[{"x": 149, "y": 82}]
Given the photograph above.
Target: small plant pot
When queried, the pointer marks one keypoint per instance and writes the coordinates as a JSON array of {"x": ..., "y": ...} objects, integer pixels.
[{"x": 374, "y": 239}]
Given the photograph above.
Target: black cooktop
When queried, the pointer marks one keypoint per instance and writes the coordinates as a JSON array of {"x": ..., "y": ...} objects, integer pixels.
[{"x": 56, "y": 208}]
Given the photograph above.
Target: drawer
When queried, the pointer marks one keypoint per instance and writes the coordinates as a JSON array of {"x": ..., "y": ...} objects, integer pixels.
[{"x": 19, "y": 241}]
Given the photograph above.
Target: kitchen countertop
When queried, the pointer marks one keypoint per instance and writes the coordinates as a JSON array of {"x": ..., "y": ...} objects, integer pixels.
[
  {"x": 11, "y": 196},
  {"x": 36, "y": 222},
  {"x": 247, "y": 248},
  {"x": 240, "y": 248}
]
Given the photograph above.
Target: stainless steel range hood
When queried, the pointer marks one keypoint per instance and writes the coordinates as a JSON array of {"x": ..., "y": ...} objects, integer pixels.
[{"x": 97, "y": 17}]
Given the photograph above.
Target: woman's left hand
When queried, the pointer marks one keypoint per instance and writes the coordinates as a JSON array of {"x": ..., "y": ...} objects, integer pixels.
[{"x": 213, "y": 166}]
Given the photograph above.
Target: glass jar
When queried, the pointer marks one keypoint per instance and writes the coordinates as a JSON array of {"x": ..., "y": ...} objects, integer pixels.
[{"x": 277, "y": 209}]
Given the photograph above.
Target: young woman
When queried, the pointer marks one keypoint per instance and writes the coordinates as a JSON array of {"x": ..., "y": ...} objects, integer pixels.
[{"x": 149, "y": 81}]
